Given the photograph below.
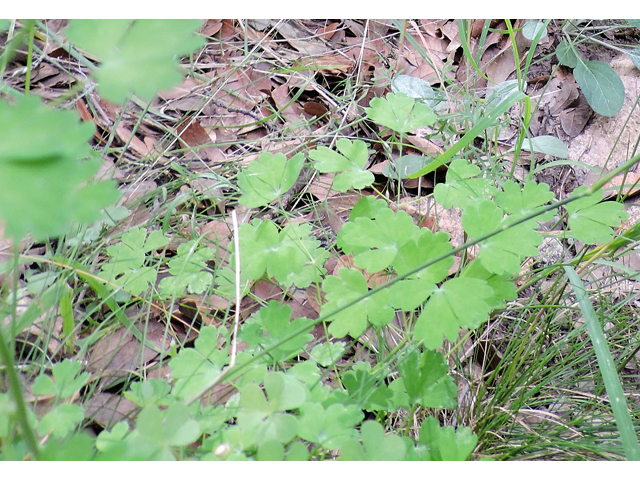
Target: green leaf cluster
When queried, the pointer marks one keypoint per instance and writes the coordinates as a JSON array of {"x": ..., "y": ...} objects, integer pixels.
[
  {"x": 292, "y": 256},
  {"x": 45, "y": 164},
  {"x": 136, "y": 56}
]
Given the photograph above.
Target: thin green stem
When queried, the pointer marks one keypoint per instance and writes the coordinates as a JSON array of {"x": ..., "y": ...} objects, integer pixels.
[
  {"x": 14, "y": 383},
  {"x": 30, "y": 26}
]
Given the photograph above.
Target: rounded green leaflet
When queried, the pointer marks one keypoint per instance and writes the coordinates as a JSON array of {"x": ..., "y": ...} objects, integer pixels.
[
  {"x": 267, "y": 178},
  {"x": 400, "y": 112},
  {"x": 601, "y": 86}
]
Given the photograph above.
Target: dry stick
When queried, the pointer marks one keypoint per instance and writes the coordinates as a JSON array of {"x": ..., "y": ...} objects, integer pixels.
[{"x": 236, "y": 322}]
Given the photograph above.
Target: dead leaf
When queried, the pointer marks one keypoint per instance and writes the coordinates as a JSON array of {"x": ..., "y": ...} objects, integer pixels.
[
  {"x": 107, "y": 409},
  {"x": 573, "y": 120},
  {"x": 120, "y": 353},
  {"x": 316, "y": 109},
  {"x": 329, "y": 31},
  {"x": 126, "y": 136}
]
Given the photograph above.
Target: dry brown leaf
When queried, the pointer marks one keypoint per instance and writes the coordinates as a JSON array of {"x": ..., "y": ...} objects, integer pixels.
[
  {"x": 329, "y": 31},
  {"x": 211, "y": 27},
  {"x": 573, "y": 120},
  {"x": 300, "y": 39},
  {"x": 137, "y": 145},
  {"x": 107, "y": 409},
  {"x": 120, "y": 353}
]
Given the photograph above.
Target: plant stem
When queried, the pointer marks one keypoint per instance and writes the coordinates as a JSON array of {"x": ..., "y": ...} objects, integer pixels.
[{"x": 14, "y": 383}]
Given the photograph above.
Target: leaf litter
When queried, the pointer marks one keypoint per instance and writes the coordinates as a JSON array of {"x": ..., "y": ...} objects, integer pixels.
[{"x": 240, "y": 106}]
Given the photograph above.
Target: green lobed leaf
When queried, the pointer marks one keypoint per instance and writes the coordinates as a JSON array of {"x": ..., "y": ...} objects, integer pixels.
[
  {"x": 425, "y": 380},
  {"x": 445, "y": 443},
  {"x": 45, "y": 165},
  {"x": 258, "y": 415},
  {"x": 524, "y": 201},
  {"x": 464, "y": 186},
  {"x": 75, "y": 448},
  {"x": 503, "y": 287},
  {"x": 376, "y": 446},
  {"x": 125, "y": 268},
  {"x": 601, "y": 86},
  {"x": 328, "y": 353},
  {"x": 268, "y": 178},
  {"x": 590, "y": 221},
  {"x": 400, "y": 112},
  {"x": 66, "y": 380},
  {"x": 329, "y": 427},
  {"x": 137, "y": 56},
  {"x": 151, "y": 391},
  {"x": 61, "y": 420},
  {"x": 291, "y": 256},
  {"x": 349, "y": 164},
  {"x": 376, "y": 243},
  {"x": 275, "y": 320},
  {"x": 451, "y": 307},
  {"x": 187, "y": 270},
  {"x": 368, "y": 390},
  {"x": 368, "y": 206},
  {"x": 503, "y": 252},
  {"x": 194, "y": 368},
  {"x": 348, "y": 286}
]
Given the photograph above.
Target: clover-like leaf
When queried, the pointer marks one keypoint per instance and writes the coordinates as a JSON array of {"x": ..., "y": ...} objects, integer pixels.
[
  {"x": 187, "y": 272},
  {"x": 445, "y": 443},
  {"x": 503, "y": 252},
  {"x": 451, "y": 307},
  {"x": 348, "y": 286},
  {"x": 137, "y": 56},
  {"x": 424, "y": 378},
  {"x": 291, "y": 256},
  {"x": 125, "y": 268},
  {"x": 464, "y": 186},
  {"x": 172, "y": 427},
  {"x": 45, "y": 164},
  {"x": 66, "y": 380},
  {"x": 194, "y": 368},
  {"x": 262, "y": 416},
  {"x": 526, "y": 200},
  {"x": 329, "y": 427},
  {"x": 267, "y": 178},
  {"x": 349, "y": 164},
  {"x": 503, "y": 287},
  {"x": 376, "y": 446},
  {"x": 590, "y": 221},
  {"x": 375, "y": 243},
  {"x": 275, "y": 322},
  {"x": 328, "y": 353},
  {"x": 61, "y": 420},
  {"x": 368, "y": 390},
  {"x": 400, "y": 112}
]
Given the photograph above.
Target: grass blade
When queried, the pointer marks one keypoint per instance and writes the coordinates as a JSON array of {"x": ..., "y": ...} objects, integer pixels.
[{"x": 607, "y": 367}]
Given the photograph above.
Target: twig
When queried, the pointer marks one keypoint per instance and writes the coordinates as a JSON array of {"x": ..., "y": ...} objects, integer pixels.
[
  {"x": 234, "y": 338},
  {"x": 236, "y": 243}
]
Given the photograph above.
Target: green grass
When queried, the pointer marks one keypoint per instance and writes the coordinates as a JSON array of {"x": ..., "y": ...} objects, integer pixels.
[{"x": 529, "y": 384}]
